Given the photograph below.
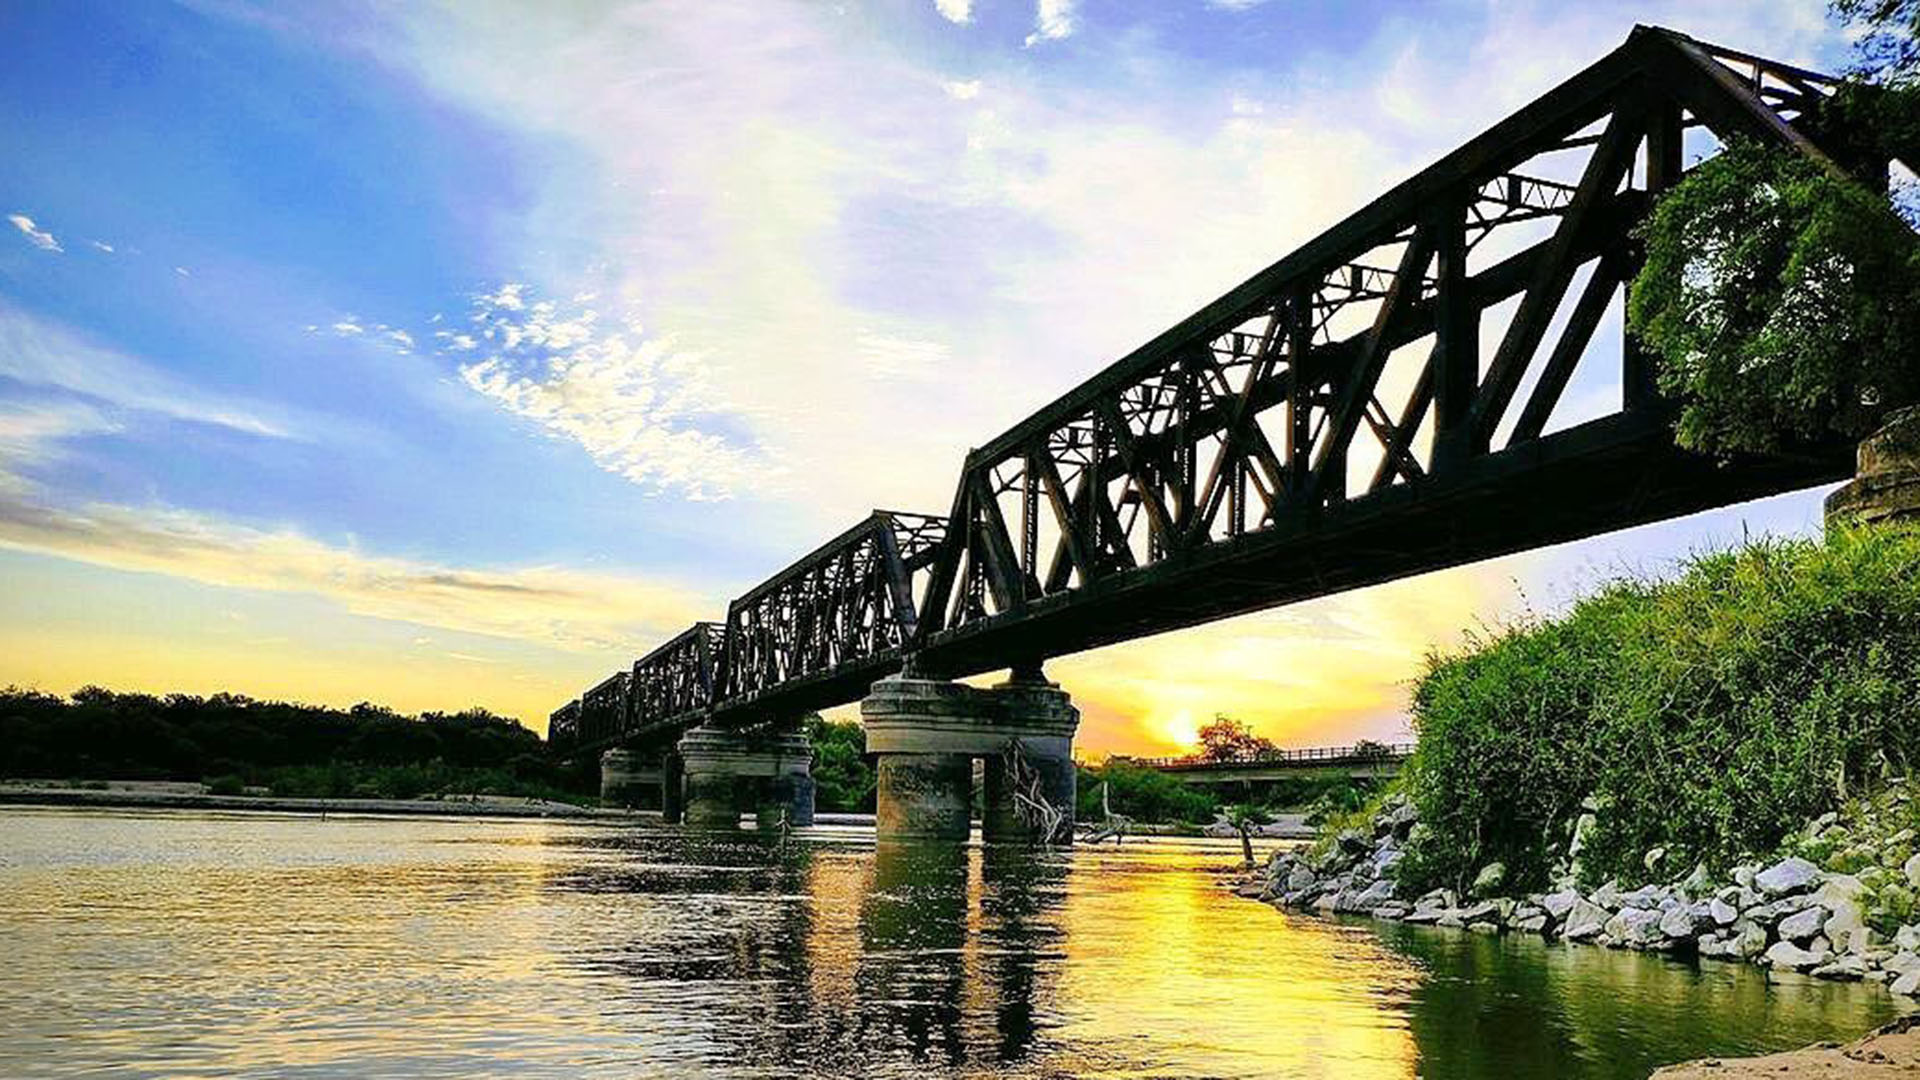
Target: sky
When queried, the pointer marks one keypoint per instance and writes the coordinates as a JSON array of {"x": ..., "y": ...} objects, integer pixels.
[{"x": 451, "y": 355}]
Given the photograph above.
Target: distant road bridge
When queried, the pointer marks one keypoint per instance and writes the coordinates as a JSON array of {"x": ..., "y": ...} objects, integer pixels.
[
  {"x": 1389, "y": 399},
  {"x": 1359, "y": 762}
]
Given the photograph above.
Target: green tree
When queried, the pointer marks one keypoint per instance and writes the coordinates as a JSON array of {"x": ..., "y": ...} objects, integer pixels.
[
  {"x": 1780, "y": 295},
  {"x": 1226, "y": 739}
]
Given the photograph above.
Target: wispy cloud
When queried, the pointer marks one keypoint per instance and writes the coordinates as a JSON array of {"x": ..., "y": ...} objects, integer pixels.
[
  {"x": 537, "y": 604},
  {"x": 40, "y": 353},
  {"x": 35, "y": 235},
  {"x": 635, "y": 403},
  {"x": 959, "y": 11},
  {"x": 101, "y": 246}
]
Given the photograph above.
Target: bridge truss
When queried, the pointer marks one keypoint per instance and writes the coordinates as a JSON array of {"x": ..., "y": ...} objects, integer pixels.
[{"x": 1388, "y": 399}]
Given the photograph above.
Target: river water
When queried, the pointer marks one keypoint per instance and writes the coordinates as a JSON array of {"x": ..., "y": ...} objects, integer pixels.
[{"x": 177, "y": 944}]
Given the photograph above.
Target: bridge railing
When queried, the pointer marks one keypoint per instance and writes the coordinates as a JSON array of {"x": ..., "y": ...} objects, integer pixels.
[{"x": 1359, "y": 752}]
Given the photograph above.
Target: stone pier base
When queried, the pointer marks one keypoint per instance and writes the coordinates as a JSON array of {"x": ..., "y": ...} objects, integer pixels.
[
  {"x": 1886, "y": 483},
  {"x": 927, "y": 733},
  {"x": 730, "y": 773},
  {"x": 627, "y": 779}
]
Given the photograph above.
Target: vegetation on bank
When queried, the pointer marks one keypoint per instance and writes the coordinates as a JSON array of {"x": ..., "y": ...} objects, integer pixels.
[
  {"x": 844, "y": 780},
  {"x": 1708, "y": 715},
  {"x": 234, "y": 742}
]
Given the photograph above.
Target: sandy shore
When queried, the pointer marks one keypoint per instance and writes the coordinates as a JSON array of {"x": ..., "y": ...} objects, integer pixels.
[{"x": 1892, "y": 1051}]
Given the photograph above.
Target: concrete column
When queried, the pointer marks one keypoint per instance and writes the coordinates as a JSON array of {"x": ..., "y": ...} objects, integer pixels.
[
  {"x": 626, "y": 779},
  {"x": 673, "y": 782},
  {"x": 728, "y": 773},
  {"x": 926, "y": 733},
  {"x": 1886, "y": 483},
  {"x": 1044, "y": 718},
  {"x": 924, "y": 797}
]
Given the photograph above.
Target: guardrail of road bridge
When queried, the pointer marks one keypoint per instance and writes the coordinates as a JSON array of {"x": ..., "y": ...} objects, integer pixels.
[{"x": 1359, "y": 752}]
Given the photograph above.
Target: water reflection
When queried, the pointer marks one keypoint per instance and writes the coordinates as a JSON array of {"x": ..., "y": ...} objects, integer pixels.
[{"x": 156, "y": 945}]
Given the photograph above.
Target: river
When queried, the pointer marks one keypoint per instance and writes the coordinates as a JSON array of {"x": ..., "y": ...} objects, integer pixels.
[{"x": 208, "y": 944}]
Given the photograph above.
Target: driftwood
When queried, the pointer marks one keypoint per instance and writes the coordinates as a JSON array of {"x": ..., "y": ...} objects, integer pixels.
[
  {"x": 1112, "y": 826},
  {"x": 1043, "y": 820}
]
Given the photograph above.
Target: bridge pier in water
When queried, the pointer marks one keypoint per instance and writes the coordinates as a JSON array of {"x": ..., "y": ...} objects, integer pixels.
[
  {"x": 730, "y": 773},
  {"x": 630, "y": 778},
  {"x": 926, "y": 734}
]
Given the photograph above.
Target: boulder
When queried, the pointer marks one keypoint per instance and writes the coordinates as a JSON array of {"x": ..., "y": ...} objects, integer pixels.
[
  {"x": 1636, "y": 927},
  {"x": 1584, "y": 920},
  {"x": 1749, "y": 939},
  {"x": 1802, "y": 925},
  {"x": 1912, "y": 871},
  {"x": 1698, "y": 883},
  {"x": 1907, "y": 938},
  {"x": 1373, "y": 896},
  {"x": 1534, "y": 923},
  {"x": 1646, "y": 896},
  {"x": 1847, "y": 967},
  {"x": 1491, "y": 878},
  {"x": 1790, "y": 957},
  {"x": 1608, "y": 896},
  {"x": 1557, "y": 904},
  {"x": 1906, "y": 984},
  {"x": 1300, "y": 879},
  {"x": 1685, "y": 920},
  {"x": 1393, "y": 910},
  {"x": 1787, "y": 877},
  {"x": 1902, "y": 963},
  {"x": 1483, "y": 927},
  {"x": 1722, "y": 912}
]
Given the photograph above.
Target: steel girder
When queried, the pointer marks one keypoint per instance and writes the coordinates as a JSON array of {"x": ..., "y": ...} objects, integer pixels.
[{"x": 1386, "y": 400}]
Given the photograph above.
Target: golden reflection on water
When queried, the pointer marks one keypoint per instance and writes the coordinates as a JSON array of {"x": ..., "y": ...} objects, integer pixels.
[{"x": 203, "y": 944}]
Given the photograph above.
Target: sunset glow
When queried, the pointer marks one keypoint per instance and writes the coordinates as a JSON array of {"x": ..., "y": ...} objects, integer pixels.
[{"x": 455, "y": 355}]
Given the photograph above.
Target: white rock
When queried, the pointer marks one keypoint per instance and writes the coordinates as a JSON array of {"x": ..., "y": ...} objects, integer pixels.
[
  {"x": 1846, "y": 967},
  {"x": 1722, "y": 912},
  {"x": 1907, "y": 938},
  {"x": 1786, "y": 877},
  {"x": 1584, "y": 920},
  {"x": 1749, "y": 939},
  {"x": 1906, "y": 984},
  {"x": 1912, "y": 870},
  {"x": 1902, "y": 963},
  {"x": 1787, "y": 955},
  {"x": 1559, "y": 903},
  {"x": 1804, "y": 925}
]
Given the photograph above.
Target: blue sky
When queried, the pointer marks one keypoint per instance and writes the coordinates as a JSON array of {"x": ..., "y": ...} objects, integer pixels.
[{"x": 446, "y": 354}]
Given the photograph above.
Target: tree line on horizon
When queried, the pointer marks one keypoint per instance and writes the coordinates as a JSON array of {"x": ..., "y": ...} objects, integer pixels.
[{"x": 234, "y": 742}]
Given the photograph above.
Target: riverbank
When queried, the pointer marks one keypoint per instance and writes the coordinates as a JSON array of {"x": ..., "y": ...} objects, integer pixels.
[
  {"x": 1893, "y": 1050},
  {"x": 165, "y": 795},
  {"x": 1837, "y": 902}
]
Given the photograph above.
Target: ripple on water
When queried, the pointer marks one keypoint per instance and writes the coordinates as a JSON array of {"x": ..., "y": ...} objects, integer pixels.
[{"x": 158, "y": 944}]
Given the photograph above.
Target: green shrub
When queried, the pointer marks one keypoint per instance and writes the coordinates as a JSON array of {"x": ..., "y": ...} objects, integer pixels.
[
  {"x": 1140, "y": 793},
  {"x": 1712, "y": 714},
  {"x": 226, "y": 785}
]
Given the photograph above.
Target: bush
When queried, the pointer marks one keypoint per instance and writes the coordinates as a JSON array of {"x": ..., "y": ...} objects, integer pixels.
[
  {"x": 226, "y": 785},
  {"x": 1711, "y": 714},
  {"x": 1140, "y": 793},
  {"x": 843, "y": 781}
]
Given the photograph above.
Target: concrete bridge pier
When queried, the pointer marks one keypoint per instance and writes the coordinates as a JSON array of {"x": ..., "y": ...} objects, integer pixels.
[
  {"x": 926, "y": 734},
  {"x": 730, "y": 773},
  {"x": 627, "y": 778}
]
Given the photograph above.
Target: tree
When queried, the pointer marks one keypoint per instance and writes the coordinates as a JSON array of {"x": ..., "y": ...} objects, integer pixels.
[
  {"x": 1782, "y": 297},
  {"x": 1226, "y": 739}
]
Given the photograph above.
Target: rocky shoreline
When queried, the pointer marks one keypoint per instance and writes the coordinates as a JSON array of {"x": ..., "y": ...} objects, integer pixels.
[{"x": 1838, "y": 902}]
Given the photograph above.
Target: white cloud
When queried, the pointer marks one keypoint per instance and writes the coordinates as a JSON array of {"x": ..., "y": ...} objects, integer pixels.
[
  {"x": 35, "y": 235},
  {"x": 537, "y": 604},
  {"x": 636, "y": 404},
  {"x": 958, "y": 11},
  {"x": 183, "y": 271},
  {"x": 348, "y": 326},
  {"x": 401, "y": 338},
  {"x": 963, "y": 91},
  {"x": 39, "y": 353},
  {"x": 1053, "y": 20},
  {"x": 101, "y": 246}
]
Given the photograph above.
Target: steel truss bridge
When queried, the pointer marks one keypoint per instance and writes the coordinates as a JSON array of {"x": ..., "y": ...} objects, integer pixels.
[{"x": 1390, "y": 398}]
